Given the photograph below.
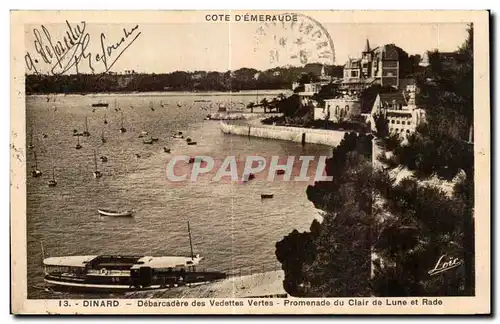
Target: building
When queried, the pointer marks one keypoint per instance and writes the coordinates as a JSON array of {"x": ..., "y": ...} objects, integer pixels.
[
  {"x": 338, "y": 109},
  {"x": 378, "y": 65},
  {"x": 401, "y": 117}
]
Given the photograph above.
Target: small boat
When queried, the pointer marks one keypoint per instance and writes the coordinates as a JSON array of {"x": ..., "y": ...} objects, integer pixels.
[
  {"x": 178, "y": 135},
  {"x": 147, "y": 141},
  {"x": 151, "y": 106},
  {"x": 122, "y": 129},
  {"x": 154, "y": 139},
  {"x": 35, "y": 173},
  {"x": 188, "y": 139},
  {"x": 103, "y": 139},
  {"x": 166, "y": 150},
  {"x": 280, "y": 172},
  {"x": 266, "y": 196},
  {"x": 137, "y": 155},
  {"x": 52, "y": 182},
  {"x": 104, "y": 159},
  {"x": 105, "y": 120},
  {"x": 97, "y": 173},
  {"x": 31, "y": 145},
  {"x": 114, "y": 213},
  {"x": 45, "y": 135},
  {"x": 100, "y": 104},
  {"x": 192, "y": 143},
  {"x": 86, "y": 131},
  {"x": 179, "y": 104},
  {"x": 143, "y": 133},
  {"x": 78, "y": 146}
]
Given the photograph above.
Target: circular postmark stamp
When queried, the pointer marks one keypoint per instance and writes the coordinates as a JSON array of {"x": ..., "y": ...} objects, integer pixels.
[{"x": 298, "y": 42}]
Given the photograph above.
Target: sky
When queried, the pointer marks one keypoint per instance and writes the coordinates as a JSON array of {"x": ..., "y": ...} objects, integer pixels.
[{"x": 221, "y": 46}]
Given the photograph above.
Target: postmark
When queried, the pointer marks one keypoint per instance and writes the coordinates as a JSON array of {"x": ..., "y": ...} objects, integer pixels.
[{"x": 298, "y": 42}]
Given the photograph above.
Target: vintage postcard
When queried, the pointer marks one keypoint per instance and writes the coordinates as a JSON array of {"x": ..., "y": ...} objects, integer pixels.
[{"x": 250, "y": 162}]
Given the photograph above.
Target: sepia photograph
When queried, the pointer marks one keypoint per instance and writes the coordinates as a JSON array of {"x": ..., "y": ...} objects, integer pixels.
[{"x": 251, "y": 162}]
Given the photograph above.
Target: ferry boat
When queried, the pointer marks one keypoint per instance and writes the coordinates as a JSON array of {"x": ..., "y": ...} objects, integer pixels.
[{"x": 111, "y": 273}]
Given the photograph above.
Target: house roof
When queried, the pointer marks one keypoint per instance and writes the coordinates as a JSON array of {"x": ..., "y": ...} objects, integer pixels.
[{"x": 393, "y": 98}]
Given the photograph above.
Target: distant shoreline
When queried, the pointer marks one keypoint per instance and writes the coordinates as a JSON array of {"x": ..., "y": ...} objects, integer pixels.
[{"x": 167, "y": 93}]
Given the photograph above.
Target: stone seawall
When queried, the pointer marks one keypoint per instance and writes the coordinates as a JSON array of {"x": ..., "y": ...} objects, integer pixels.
[{"x": 294, "y": 134}]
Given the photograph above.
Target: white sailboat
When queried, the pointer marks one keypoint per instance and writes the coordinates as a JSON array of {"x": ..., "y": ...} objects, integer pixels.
[
  {"x": 97, "y": 173},
  {"x": 86, "y": 131},
  {"x": 53, "y": 182},
  {"x": 78, "y": 146},
  {"x": 103, "y": 139},
  {"x": 35, "y": 172},
  {"x": 122, "y": 129},
  {"x": 31, "y": 145}
]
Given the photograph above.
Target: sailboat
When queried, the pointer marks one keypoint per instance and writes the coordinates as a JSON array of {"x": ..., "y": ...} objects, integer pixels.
[
  {"x": 78, "y": 146},
  {"x": 97, "y": 173},
  {"x": 151, "y": 106},
  {"x": 105, "y": 120},
  {"x": 31, "y": 145},
  {"x": 103, "y": 139},
  {"x": 122, "y": 129},
  {"x": 53, "y": 182},
  {"x": 36, "y": 173},
  {"x": 86, "y": 131}
]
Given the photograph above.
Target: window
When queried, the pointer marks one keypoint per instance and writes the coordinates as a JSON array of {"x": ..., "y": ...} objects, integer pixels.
[
  {"x": 354, "y": 74},
  {"x": 346, "y": 108},
  {"x": 397, "y": 130},
  {"x": 392, "y": 121},
  {"x": 336, "y": 110},
  {"x": 407, "y": 131},
  {"x": 403, "y": 122},
  {"x": 408, "y": 122},
  {"x": 397, "y": 121}
]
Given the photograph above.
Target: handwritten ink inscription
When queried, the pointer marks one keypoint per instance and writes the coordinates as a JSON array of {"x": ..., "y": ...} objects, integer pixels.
[
  {"x": 72, "y": 50},
  {"x": 444, "y": 264}
]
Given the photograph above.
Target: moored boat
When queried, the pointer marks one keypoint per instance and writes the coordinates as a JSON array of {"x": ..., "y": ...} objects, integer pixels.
[
  {"x": 108, "y": 273},
  {"x": 97, "y": 173},
  {"x": 52, "y": 182},
  {"x": 100, "y": 104},
  {"x": 115, "y": 213},
  {"x": 86, "y": 131},
  {"x": 35, "y": 173},
  {"x": 266, "y": 196}
]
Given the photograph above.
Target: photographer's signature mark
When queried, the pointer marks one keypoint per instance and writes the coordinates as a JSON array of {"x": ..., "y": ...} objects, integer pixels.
[
  {"x": 442, "y": 265},
  {"x": 68, "y": 53}
]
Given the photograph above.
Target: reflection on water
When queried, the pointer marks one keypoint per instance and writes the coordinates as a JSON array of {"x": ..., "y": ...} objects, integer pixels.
[{"x": 231, "y": 226}]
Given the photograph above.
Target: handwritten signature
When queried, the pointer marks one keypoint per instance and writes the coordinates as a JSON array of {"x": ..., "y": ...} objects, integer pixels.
[
  {"x": 442, "y": 266},
  {"x": 68, "y": 53}
]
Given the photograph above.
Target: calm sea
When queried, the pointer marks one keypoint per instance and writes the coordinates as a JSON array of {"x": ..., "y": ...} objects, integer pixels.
[{"x": 232, "y": 228}]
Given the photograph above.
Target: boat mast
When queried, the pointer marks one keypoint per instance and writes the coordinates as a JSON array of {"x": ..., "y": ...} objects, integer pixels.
[
  {"x": 43, "y": 257},
  {"x": 36, "y": 161},
  {"x": 190, "y": 242},
  {"x": 95, "y": 161},
  {"x": 122, "y": 117},
  {"x": 86, "y": 125},
  {"x": 53, "y": 175}
]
